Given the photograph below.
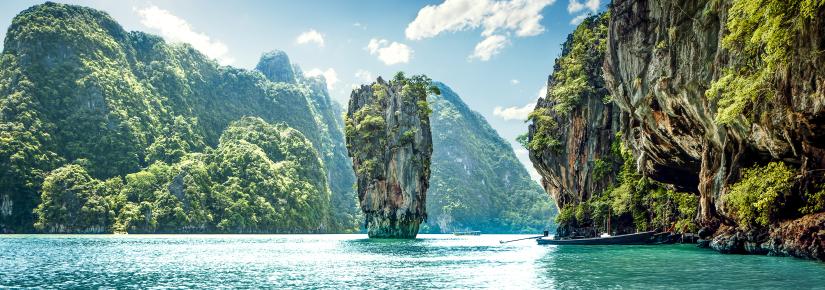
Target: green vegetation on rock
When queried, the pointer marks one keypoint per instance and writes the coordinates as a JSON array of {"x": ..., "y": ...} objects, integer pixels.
[
  {"x": 581, "y": 56},
  {"x": 760, "y": 38},
  {"x": 75, "y": 88},
  {"x": 571, "y": 81},
  {"x": 759, "y": 196},
  {"x": 814, "y": 201},
  {"x": 389, "y": 139},
  {"x": 367, "y": 127},
  {"x": 634, "y": 203},
  {"x": 260, "y": 178}
]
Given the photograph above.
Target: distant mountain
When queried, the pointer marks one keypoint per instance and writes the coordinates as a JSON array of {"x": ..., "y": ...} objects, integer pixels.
[
  {"x": 328, "y": 116},
  {"x": 477, "y": 183},
  {"x": 91, "y": 109}
]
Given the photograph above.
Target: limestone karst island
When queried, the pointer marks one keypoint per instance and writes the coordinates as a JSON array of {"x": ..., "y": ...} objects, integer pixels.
[{"x": 434, "y": 144}]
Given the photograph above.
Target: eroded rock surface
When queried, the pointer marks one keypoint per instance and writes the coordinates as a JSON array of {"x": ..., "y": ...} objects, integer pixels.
[
  {"x": 581, "y": 164},
  {"x": 661, "y": 60},
  {"x": 389, "y": 140}
]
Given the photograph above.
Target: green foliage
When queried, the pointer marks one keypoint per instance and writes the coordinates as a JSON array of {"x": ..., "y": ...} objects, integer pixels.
[
  {"x": 261, "y": 178},
  {"x": 543, "y": 139},
  {"x": 73, "y": 201},
  {"x": 176, "y": 140},
  {"x": 567, "y": 215},
  {"x": 581, "y": 60},
  {"x": 408, "y": 136},
  {"x": 600, "y": 168},
  {"x": 646, "y": 204},
  {"x": 688, "y": 207},
  {"x": 576, "y": 75},
  {"x": 416, "y": 88},
  {"x": 523, "y": 140},
  {"x": 380, "y": 92},
  {"x": 814, "y": 202},
  {"x": 757, "y": 198},
  {"x": 423, "y": 108},
  {"x": 583, "y": 211},
  {"x": 761, "y": 36},
  {"x": 75, "y": 85},
  {"x": 366, "y": 129}
]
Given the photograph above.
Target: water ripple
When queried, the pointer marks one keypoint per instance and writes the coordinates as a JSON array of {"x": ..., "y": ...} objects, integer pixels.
[{"x": 352, "y": 261}]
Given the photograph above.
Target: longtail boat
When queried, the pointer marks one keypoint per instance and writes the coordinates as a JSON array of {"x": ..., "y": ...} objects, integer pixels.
[
  {"x": 629, "y": 239},
  {"x": 468, "y": 233}
]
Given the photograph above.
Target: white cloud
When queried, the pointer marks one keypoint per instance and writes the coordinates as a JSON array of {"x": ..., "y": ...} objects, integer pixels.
[
  {"x": 518, "y": 113},
  {"x": 389, "y": 52},
  {"x": 514, "y": 81},
  {"x": 578, "y": 19},
  {"x": 452, "y": 15},
  {"x": 329, "y": 75},
  {"x": 489, "y": 47},
  {"x": 175, "y": 29},
  {"x": 575, "y": 6},
  {"x": 542, "y": 92},
  {"x": 364, "y": 76},
  {"x": 521, "y": 17},
  {"x": 311, "y": 36},
  {"x": 360, "y": 25},
  {"x": 514, "y": 113}
]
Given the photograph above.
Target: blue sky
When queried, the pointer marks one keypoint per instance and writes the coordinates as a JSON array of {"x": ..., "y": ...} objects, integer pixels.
[{"x": 496, "y": 54}]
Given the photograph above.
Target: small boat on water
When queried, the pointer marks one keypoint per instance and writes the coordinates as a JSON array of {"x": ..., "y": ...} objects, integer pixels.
[
  {"x": 629, "y": 239},
  {"x": 467, "y": 233}
]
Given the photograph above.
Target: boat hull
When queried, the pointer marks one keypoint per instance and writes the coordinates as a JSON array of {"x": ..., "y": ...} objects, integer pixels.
[
  {"x": 471, "y": 233},
  {"x": 630, "y": 239}
]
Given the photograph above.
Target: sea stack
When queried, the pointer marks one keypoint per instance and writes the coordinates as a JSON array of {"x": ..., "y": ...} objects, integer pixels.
[{"x": 388, "y": 137}]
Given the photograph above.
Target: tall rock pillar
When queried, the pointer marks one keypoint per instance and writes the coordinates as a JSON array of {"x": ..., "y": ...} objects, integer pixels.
[{"x": 388, "y": 137}]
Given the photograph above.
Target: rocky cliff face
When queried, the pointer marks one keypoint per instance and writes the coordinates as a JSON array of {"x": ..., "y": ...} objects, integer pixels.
[
  {"x": 389, "y": 140},
  {"x": 276, "y": 67},
  {"x": 698, "y": 107},
  {"x": 571, "y": 137},
  {"x": 660, "y": 63}
]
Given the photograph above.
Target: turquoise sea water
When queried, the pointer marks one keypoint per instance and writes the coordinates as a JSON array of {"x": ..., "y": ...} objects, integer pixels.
[{"x": 352, "y": 261}]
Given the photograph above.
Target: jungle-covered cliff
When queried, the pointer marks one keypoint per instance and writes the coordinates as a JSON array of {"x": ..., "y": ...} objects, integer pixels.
[
  {"x": 575, "y": 144},
  {"x": 722, "y": 107},
  {"x": 90, "y": 113},
  {"x": 477, "y": 182}
]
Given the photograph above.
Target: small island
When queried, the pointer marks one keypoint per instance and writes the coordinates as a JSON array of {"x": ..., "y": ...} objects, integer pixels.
[{"x": 388, "y": 137}]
